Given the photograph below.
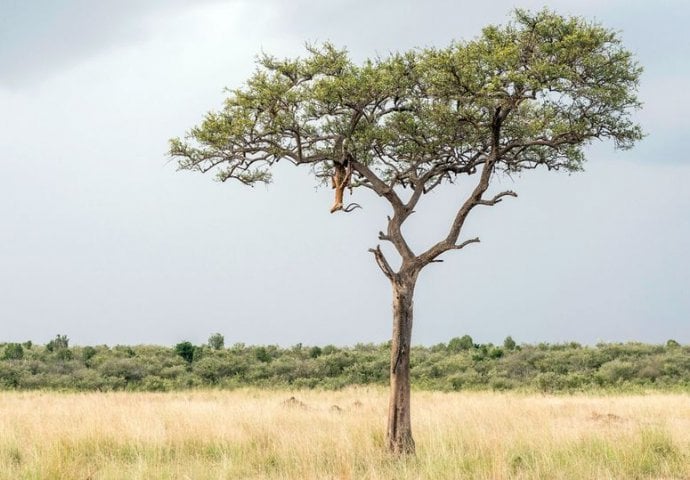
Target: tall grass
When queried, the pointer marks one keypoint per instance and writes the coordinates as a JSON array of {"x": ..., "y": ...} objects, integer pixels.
[{"x": 252, "y": 434}]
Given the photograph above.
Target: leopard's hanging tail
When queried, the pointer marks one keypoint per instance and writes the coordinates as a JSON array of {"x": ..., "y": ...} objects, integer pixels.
[{"x": 351, "y": 206}]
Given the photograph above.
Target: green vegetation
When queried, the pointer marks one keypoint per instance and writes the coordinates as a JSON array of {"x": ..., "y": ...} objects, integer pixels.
[
  {"x": 458, "y": 365},
  {"x": 216, "y": 341}
]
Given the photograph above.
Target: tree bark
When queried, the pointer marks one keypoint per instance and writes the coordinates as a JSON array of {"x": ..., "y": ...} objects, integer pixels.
[{"x": 399, "y": 433}]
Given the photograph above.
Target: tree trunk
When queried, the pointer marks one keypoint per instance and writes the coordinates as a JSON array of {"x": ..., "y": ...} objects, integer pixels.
[{"x": 399, "y": 434}]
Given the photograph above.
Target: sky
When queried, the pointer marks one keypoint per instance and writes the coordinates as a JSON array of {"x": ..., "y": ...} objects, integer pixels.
[{"x": 103, "y": 240}]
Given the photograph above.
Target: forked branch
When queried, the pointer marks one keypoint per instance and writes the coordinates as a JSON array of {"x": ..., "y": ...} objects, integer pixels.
[
  {"x": 382, "y": 262},
  {"x": 456, "y": 247},
  {"x": 497, "y": 198}
]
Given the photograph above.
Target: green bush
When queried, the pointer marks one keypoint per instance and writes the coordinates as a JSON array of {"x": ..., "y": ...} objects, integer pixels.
[
  {"x": 10, "y": 375},
  {"x": 315, "y": 352},
  {"x": 212, "y": 369},
  {"x": 262, "y": 355},
  {"x": 549, "y": 382},
  {"x": 87, "y": 354},
  {"x": 459, "y": 344},
  {"x": 216, "y": 341},
  {"x": 186, "y": 351},
  {"x": 615, "y": 371},
  {"x": 13, "y": 351},
  {"x": 128, "y": 369},
  {"x": 60, "y": 342},
  {"x": 64, "y": 354}
]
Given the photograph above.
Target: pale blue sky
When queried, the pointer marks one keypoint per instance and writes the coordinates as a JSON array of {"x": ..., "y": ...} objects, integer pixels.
[{"x": 101, "y": 239}]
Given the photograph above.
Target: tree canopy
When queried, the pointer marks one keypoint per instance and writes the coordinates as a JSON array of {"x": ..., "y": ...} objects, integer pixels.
[
  {"x": 530, "y": 93},
  {"x": 551, "y": 83}
]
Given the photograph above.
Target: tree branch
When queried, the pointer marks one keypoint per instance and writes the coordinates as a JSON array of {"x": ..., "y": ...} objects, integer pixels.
[
  {"x": 475, "y": 198},
  {"x": 497, "y": 198},
  {"x": 378, "y": 185},
  {"x": 456, "y": 247},
  {"x": 382, "y": 262},
  {"x": 465, "y": 243}
]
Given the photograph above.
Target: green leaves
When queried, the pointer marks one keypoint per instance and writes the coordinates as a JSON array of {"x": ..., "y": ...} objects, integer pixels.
[{"x": 530, "y": 93}]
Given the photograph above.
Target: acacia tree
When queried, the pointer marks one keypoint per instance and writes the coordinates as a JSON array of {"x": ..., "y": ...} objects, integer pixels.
[{"x": 532, "y": 93}]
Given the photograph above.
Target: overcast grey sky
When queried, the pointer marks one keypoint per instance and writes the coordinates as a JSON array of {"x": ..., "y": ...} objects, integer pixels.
[{"x": 101, "y": 239}]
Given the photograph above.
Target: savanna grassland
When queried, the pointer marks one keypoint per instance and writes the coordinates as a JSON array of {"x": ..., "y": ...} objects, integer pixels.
[{"x": 314, "y": 434}]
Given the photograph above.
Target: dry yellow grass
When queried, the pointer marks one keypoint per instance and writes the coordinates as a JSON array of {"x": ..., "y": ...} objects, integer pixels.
[{"x": 250, "y": 434}]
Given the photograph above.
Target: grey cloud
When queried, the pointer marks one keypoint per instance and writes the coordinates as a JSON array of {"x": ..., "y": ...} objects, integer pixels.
[{"x": 40, "y": 37}]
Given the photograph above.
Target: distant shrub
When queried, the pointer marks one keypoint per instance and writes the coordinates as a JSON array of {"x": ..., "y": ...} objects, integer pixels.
[
  {"x": 549, "y": 382},
  {"x": 495, "y": 352},
  {"x": 125, "y": 350},
  {"x": 329, "y": 349},
  {"x": 172, "y": 372},
  {"x": 155, "y": 384},
  {"x": 87, "y": 354},
  {"x": 262, "y": 355},
  {"x": 216, "y": 341},
  {"x": 615, "y": 371},
  {"x": 470, "y": 378},
  {"x": 650, "y": 370},
  {"x": 459, "y": 344},
  {"x": 60, "y": 342},
  {"x": 10, "y": 375},
  {"x": 13, "y": 351},
  {"x": 64, "y": 354},
  {"x": 186, "y": 351},
  {"x": 334, "y": 364},
  {"x": 500, "y": 383},
  {"x": 126, "y": 368},
  {"x": 211, "y": 369}
]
